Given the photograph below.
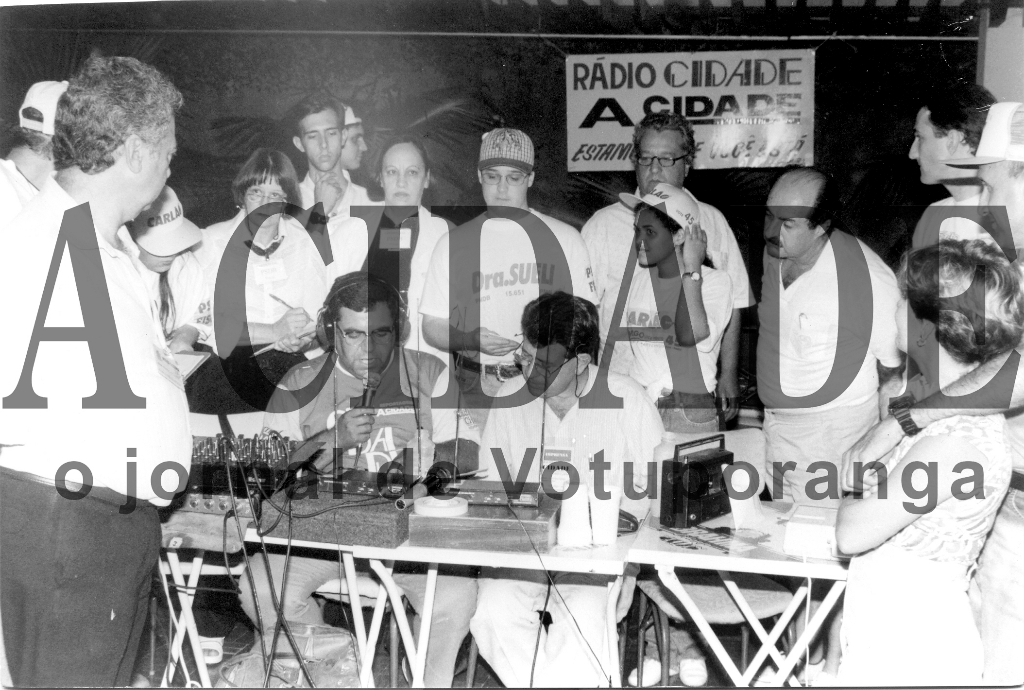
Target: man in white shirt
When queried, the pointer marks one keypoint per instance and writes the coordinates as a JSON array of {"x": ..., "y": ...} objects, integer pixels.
[
  {"x": 560, "y": 344},
  {"x": 30, "y": 160},
  {"x": 663, "y": 152},
  {"x": 948, "y": 127},
  {"x": 483, "y": 273},
  {"x": 825, "y": 314},
  {"x": 80, "y": 540},
  {"x": 331, "y": 136}
]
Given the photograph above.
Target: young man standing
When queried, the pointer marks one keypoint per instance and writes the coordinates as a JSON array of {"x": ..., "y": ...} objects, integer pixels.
[
  {"x": 485, "y": 272},
  {"x": 331, "y": 136},
  {"x": 948, "y": 127}
]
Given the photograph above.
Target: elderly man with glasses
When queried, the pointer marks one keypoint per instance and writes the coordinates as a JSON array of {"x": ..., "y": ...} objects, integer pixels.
[
  {"x": 485, "y": 272},
  {"x": 362, "y": 322},
  {"x": 663, "y": 152}
]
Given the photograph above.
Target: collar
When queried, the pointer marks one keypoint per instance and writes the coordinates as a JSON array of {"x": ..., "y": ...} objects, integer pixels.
[{"x": 57, "y": 198}]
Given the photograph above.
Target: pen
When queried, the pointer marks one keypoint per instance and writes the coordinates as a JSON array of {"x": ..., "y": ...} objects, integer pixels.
[{"x": 280, "y": 301}]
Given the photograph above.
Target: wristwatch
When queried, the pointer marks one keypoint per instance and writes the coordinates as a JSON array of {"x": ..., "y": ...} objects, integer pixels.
[
  {"x": 695, "y": 276},
  {"x": 900, "y": 409}
]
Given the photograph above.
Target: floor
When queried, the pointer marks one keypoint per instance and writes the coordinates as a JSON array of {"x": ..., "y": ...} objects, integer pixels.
[{"x": 153, "y": 654}]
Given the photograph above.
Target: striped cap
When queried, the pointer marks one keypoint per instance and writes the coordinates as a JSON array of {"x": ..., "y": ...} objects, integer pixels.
[
  {"x": 1002, "y": 139},
  {"x": 506, "y": 147}
]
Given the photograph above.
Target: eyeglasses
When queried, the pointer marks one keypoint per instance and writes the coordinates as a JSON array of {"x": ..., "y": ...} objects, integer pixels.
[
  {"x": 381, "y": 336},
  {"x": 515, "y": 179},
  {"x": 525, "y": 361},
  {"x": 255, "y": 195},
  {"x": 648, "y": 161}
]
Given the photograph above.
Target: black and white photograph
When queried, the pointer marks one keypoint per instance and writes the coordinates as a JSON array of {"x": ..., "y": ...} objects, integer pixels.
[{"x": 512, "y": 343}]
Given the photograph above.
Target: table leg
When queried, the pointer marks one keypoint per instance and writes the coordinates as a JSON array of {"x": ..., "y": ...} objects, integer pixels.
[
  {"x": 355, "y": 604},
  {"x": 812, "y": 628},
  {"x": 384, "y": 573},
  {"x": 768, "y": 640},
  {"x": 371, "y": 639},
  {"x": 611, "y": 636},
  {"x": 668, "y": 577},
  {"x": 186, "y": 621}
]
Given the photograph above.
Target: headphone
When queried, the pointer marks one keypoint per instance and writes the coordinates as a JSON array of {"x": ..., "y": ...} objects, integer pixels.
[{"x": 325, "y": 320}]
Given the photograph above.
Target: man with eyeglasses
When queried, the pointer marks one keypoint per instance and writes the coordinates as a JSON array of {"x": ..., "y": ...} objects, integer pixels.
[
  {"x": 558, "y": 358},
  {"x": 365, "y": 318},
  {"x": 663, "y": 152},
  {"x": 485, "y": 272}
]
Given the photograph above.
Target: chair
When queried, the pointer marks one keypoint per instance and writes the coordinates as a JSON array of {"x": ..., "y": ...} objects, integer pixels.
[
  {"x": 766, "y": 597},
  {"x": 171, "y": 566},
  {"x": 337, "y": 590}
]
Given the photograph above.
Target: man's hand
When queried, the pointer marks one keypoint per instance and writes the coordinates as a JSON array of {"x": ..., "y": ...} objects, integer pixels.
[
  {"x": 729, "y": 398},
  {"x": 354, "y": 427},
  {"x": 873, "y": 446},
  {"x": 493, "y": 344},
  {"x": 328, "y": 190}
]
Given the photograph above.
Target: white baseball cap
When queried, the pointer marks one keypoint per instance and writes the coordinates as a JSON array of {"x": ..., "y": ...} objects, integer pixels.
[
  {"x": 676, "y": 202},
  {"x": 162, "y": 229},
  {"x": 39, "y": 110},
  {"x": 350, "y": 117},
  {"x": 1002, "y": 139}
]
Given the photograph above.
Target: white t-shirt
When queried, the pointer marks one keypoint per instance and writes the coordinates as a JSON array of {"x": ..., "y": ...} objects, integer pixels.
[
  {"x": 15, "y": 191},
  {"x": 510, "y": 277},
  {"x": 105, "y": 439},
  {"x": 350, "y": 241},
  {"x": 648, "y": 352},
  {"x": 951, "y": 228},
  {"x": 294, "y": 273},
  {"x": 626, "y": 435},
  {"x": 609, "y": 238},
  {"x": 354, "y": 195},
  {"x": 190, "y": 291},
  {"x": 215, "y": 239},
  {"x": 801, "y": 324}
]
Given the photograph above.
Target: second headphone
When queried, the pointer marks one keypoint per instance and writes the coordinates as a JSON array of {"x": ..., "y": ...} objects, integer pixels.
[{"x": 326, "y": 317}]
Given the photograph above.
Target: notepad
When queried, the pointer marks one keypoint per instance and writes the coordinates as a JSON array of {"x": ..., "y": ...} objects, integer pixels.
[{"x": 188, "y": 362}]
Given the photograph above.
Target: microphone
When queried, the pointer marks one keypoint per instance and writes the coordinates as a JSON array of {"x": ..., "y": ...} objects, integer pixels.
[{"x": 370, "y": 384}]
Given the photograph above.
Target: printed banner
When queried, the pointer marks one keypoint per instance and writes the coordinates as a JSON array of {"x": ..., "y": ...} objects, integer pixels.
[{"x": 749, "y": 109}]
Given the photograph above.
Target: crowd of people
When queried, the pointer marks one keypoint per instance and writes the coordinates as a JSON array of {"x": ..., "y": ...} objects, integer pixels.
[{"x": 489, "y": 335}]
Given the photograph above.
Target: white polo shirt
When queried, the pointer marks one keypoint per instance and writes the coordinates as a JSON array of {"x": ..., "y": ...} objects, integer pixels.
[
  {"x": 626, "y": 435},
  {"x": 652, "y": 333},
  {"x": 801, "y": 325},
  {"x": 39, "y": 441},
  {"x": 609, "y": 235},
  {"x": 509, "y": 278},
  {"x": 15, "y": 191}
]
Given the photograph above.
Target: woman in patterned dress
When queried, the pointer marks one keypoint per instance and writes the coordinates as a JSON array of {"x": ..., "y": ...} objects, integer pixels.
[{"x": 918, "y": 534}]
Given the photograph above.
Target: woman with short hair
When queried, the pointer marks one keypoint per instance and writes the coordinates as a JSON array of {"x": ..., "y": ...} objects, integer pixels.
[{"x": 907, "y": 618}]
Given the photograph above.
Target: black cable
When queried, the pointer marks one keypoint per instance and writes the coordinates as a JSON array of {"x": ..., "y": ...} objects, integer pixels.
[
  {"x": 551, "y": 583},
  {"x": 276, "y": 601},
  {"x": 540, "y": 627}
]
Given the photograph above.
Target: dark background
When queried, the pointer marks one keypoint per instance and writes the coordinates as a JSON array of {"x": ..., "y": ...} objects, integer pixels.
[{"x": 241, "y": 65}]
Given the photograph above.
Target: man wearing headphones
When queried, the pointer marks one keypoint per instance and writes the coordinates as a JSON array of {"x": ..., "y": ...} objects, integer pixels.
[{"x": 363, "y": 322}]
